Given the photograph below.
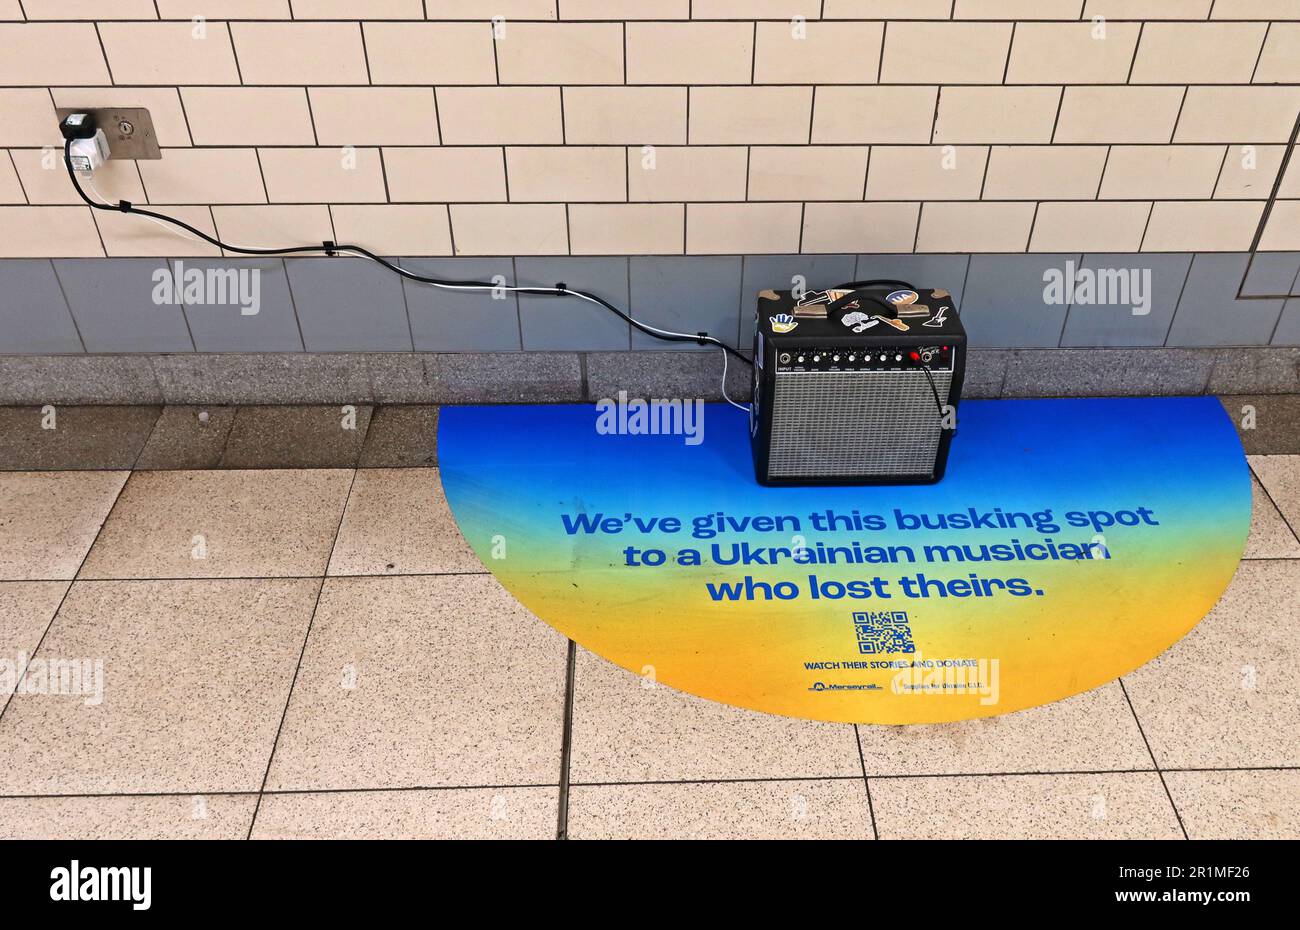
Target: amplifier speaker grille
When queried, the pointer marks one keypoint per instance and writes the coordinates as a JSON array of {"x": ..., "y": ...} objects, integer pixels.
[{"x": 856, "y": 423}]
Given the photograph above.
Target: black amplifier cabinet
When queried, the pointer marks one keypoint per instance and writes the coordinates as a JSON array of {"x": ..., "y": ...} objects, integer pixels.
[{"x": 843, "y": 397}]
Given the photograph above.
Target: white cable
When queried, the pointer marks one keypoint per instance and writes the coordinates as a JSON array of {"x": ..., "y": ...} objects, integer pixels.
[
  {"x": 180, "y": 233},
  {"x": 725, "y": 396}
]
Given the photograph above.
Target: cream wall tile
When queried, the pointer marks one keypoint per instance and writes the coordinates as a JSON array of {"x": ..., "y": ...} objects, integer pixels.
[
  {"x": 267, "y": 227},
  {"x": 45, "y": 178},
  {"x": 1118, "y": 114},
  {"x": 802, "y": 172},
  {"x": 125, "y": 235},
  {"x": 36, "y": 54},
  {"x": 1282, "y": 234},
  {"x": 510, "y": 9},
  {"x": 200, "y": 176},
  {"x": 1033, "y": 172},
  {"x": 1016, "y": 9},
  {"x": 874, "y": 114},
  {"x": 827, "y": 53},
  {"x": 728, "y": 115},
  {"x": 625, "y": 115},
  {"x": 28, "y": 117},
  {"x": 224, "y": 9},
  {"x": 510, "y": 229},
  {"x": 48, "y": 232},
  {"x": 375, "y": 115},
  {"x": 1234, "y": 114},
  {"x": 627, "y": 228},
  {"x": 300, "y": 53},
  {"x": 975, "y": 227},
  {"x": 394, "y": 229},
  {"x": 163, "y": 104},
  {"x": 1072, "y": 53},
  {"x": 1280, "y": 62},
  {"x": 1250, "y": 170},
  {"x": 332, "y": 174},
  {"x": 690, "y": 53},
  {"x": 996, "y": 114},
  {"x": 10, "y": 190},
  {"x": 248, "y": 115},
  {"x": 1089, "y": 227},
  {"x": 1221, "y": 226},
  {"x": 373, "y": 9},
  {"x": 10, "y": 10},
  {"x": 923, "y": 172},
  {"x": 500, "y": 115},
  {"x": 887, "y": 9},
  {"x": 170, "y": 53},
  {"x": 946, "y": 53},
  {"x": 1148, "y": 9},
  {"x": 1162, "y": 172},
  {"x": 90, "y": 9},
  {"x": 859, "y": 227},
  {"x": 566, "y": 173},
  {"x": 755, "y": 9},
  {"x": 742, "y": 228},
  {"x": 446, "y": 174},
  {"x": 687, "y": 173},
  {"x": 625, "y": 9},
  {"x": 1254, "y": 9},
  {"x": 1197, "y": 53},
  {"x": 561, "y": 53},
  {"x": 430, "y": 53}
]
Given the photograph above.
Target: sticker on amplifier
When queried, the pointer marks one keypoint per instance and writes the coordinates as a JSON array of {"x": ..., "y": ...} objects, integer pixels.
[{"x": 783, "y": 323}]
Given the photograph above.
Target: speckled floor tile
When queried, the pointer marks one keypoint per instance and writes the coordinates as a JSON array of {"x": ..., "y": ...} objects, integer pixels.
[
  {"x": 1088, "y": 732},
  {"x": 103, "y": 438},
  {"x": 252, "y": 524},
  {"x": 401, "y": 437},
  {"x": 1226, "y": 695},
  {"x": 1110, "y": 806},
  {"x": 170, "y": 817},
  {"x": 398, "y": 523},
  {"x": 26, "y": 609},
  {"x": 445, "y": 814},
  {"x": 774, "y": 810},
  {"x": 423, "y": 682},
  {"x": 195, "y": 675},
  {"x": 1280, "y": 475},
  {"x": 297, "y": 437},
  {"x": 50, "y": 519},
  {"x": 626, "y": 730},
  {"x": 1275, "y": 422},
  {"x": 1270, "y": 537},
  {"x": 1259, "y": 805},
  {"x": 183, "y": 439}
]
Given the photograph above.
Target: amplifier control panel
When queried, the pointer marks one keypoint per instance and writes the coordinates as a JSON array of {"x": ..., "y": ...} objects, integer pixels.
[{"x": 866, "y": 358}]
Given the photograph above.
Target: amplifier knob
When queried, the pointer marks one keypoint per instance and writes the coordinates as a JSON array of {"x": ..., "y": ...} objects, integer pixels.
[
  {"x": 800, "y": 360},
  {"x": 835, "y": 358},
  {"x": 817, "y": 358}
]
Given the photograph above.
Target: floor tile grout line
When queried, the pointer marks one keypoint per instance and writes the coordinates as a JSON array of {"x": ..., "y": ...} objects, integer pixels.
[
  {"x": 315, "y": 577},
  {"x": 866, "y": 783},
  {"x": 1295, "y": 534},
  {"x": 566, "y": 742},
  {"x": 68, "y": 590},
  {"x": 1142, "y": 732},
  {"x": 284, "y": 714}
]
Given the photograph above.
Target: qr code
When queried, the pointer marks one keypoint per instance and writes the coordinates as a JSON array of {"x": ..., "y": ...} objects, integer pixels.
[{"x": 881, "y": 632}]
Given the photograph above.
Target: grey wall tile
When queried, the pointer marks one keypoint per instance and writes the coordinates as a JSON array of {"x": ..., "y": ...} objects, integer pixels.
[
  {"x": 777, "y": 272},
  {"x": 349, "y": 305},
  {"x": 660, "y": 374},
  {"x": 34, "y": 317},
  {"x": 1288, "y": 327},
  {"x": 1106, "y": 372},
  {"x": 78, "y": 379},
  {"x": 113, "y": 302},
  {"x": 930, "y": 271},
  {"x": 222, "y": 325},
  {"x": 687, "y": 295},
  {"x": 1115, "y": 324},
  {"x": 265, "y": 379},
  {"x": 1256, "y": 371},
  {"x": 505, "y": 378},
  {"x": 461, "y": 321},
  {"x": 1209, "y": 313},
  {"x": 550, "y": 323},
  {"x": 1272, "y": 273},
  {"x": 1004, "y": 304}
]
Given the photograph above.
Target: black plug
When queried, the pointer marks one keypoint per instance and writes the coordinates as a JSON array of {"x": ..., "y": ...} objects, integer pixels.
[{"x": 78, "y": 126}]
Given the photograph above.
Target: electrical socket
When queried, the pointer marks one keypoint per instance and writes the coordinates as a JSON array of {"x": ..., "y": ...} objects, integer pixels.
[{"x": 129, "y": 130}]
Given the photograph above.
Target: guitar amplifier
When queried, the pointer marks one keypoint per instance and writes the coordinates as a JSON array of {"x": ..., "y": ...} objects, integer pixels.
[{"x": 856, "y": 385}]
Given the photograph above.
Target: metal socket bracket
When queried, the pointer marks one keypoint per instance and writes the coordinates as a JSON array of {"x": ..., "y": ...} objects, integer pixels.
[{"x": 129, "y": 130}]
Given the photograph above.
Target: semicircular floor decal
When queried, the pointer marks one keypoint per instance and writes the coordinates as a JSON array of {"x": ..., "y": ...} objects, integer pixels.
[{"x": 1071, "y": 541}]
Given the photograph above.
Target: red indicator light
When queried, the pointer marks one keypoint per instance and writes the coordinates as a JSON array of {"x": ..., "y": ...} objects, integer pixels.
[{"x": 915, "y": 356}]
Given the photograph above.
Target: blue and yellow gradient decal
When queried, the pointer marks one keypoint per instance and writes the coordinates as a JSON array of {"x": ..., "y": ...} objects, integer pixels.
[{"x": 1121, "y": 522}]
